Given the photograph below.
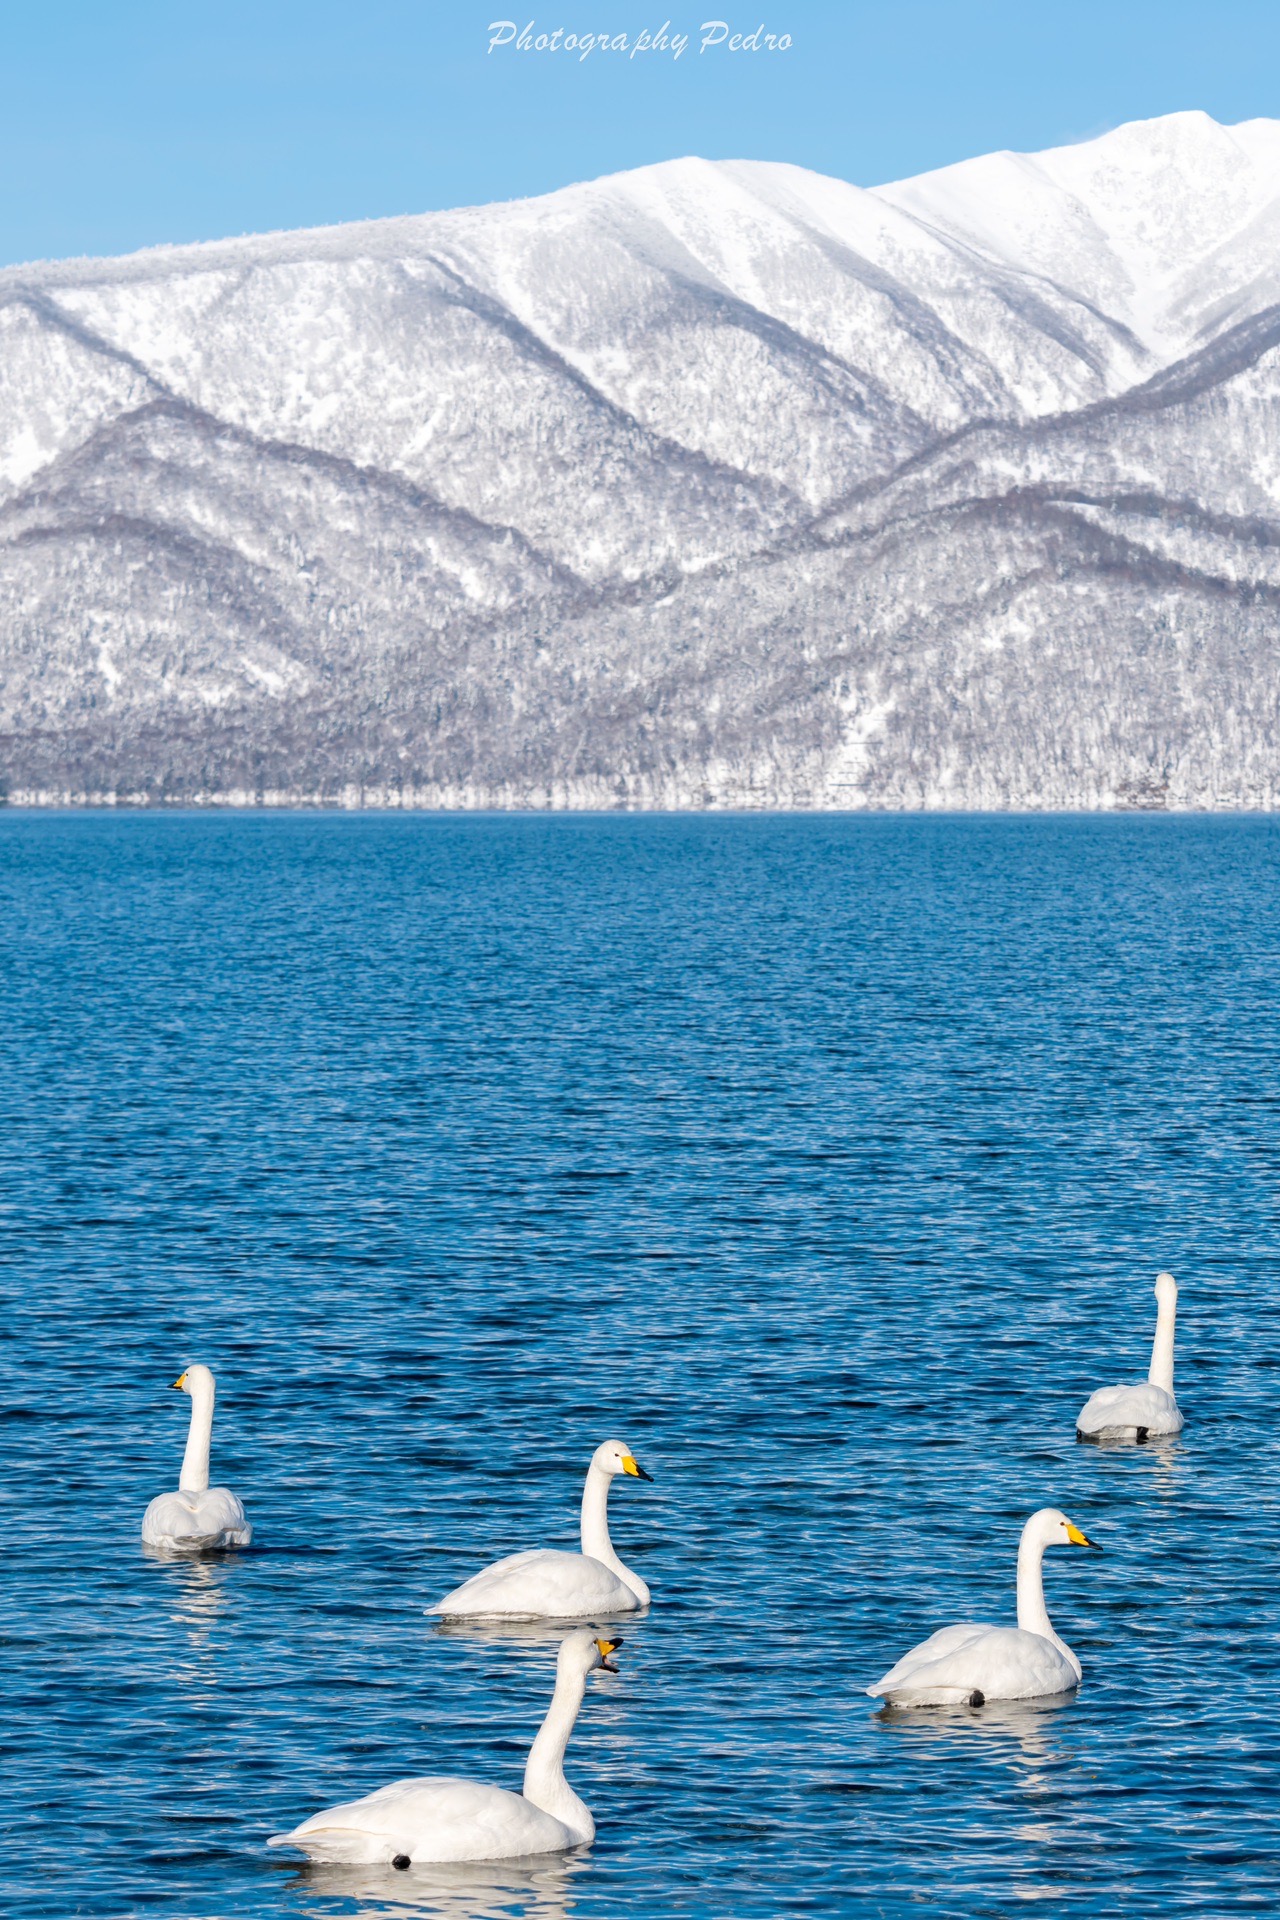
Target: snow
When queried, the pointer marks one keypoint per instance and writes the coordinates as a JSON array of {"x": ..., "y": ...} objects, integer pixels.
[{"x": 711, "y": 483}]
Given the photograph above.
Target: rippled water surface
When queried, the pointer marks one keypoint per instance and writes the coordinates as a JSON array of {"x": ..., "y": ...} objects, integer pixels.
[{"x": 829, "y": 1163}]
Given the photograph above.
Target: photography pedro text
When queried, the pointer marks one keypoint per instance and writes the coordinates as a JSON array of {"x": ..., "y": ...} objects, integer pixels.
[{"x": 711, "y": 34}]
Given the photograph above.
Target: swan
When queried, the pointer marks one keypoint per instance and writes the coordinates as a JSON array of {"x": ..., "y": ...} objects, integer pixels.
[
  {"x": 971, "y": 1664},
  {"x": 545, "y": 1583},
  {"x": 197, "y": 1518},
  {"x": 438, "y": 1818},
  {"x": 1134, "y": 1413}
]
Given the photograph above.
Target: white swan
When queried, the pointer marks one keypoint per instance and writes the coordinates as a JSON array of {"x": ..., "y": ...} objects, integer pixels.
[
  {"x": 197, "y": 1518},
  {"x": 970, "y": 1664},
  {"x": 439, "y": 1818},
  {"x": 1134, "y": 1413},
  {"x": 547, "y": 1584}
]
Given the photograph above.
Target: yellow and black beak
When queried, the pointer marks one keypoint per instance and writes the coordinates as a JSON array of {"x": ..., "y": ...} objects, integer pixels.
[
  {"x": 607, "y": 1647},
  {"x": 1079, "y": 1539},
  {"x": 632, "y": 1466},
  {"x": 181, "y": 1381}
]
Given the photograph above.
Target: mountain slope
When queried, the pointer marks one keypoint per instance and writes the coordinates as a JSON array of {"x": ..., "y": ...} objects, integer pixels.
[{"x": 712, "y": 484}]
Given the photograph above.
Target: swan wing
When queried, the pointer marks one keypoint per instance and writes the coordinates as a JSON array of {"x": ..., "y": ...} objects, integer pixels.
[
  {"x": 196, "y": 1522},
  {"x": 945, "y": 1641},
  {"x": 436, "y": 1818},
  {"x": 1118, "y": 1409},
  {"x": 543, "y": 1583},
  {"x": 1001, "y": 1663}
]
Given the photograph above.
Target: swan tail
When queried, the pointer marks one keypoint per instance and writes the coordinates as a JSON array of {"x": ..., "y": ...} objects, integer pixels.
[
  {"x": 339, "y": 1846},
  {"x": 190, "y": 1543},
  {"x": 934, "y": 1697}
]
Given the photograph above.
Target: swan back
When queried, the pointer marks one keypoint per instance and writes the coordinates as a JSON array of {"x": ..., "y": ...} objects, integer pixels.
[
  {"x": 992, "y": 1663},
  {"x": 436, "y": 1818},
  {"x": 196, "y": 1522}
]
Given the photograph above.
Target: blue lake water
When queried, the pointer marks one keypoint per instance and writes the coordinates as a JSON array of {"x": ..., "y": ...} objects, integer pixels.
[{"x": 827, "y": 1162}]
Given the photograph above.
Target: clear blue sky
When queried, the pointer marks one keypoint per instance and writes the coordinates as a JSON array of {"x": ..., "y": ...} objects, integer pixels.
[{"x": 125, "y": 122}]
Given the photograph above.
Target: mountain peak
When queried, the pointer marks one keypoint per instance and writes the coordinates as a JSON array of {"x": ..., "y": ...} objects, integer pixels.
[
  {"x": 714, "y": 482},
  {"x": 1131, "y": 213}
]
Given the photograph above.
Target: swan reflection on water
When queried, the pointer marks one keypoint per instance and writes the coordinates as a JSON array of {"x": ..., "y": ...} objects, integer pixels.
[
  {"x": 534, "y": 1889},
  {"x": 1163, "y": 1456},
  {"x": 1030, "y": 1739},
  {"x": 1028, "y": 1724},
  {"x": 198, "y": 1592},
  {"x": 536, "y": 1636},
  {"x": 526, "y": 1633}
]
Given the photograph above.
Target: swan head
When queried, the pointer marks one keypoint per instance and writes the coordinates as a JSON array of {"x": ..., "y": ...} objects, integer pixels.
[
  {"x": 1051, "y": 1528},
  {"x": 195, "y": 1381},
  {"x": 586, "y": 1651},
  {"x": 612, "y": 1457},
  {"x": 1166, "y": 1289}
]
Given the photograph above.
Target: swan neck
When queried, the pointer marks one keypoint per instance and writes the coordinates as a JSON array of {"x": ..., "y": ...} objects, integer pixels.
[
  {"x": 194, "y": 1477},
  {"x": 596, "y": 1543},
  {"x": 1161, "y": 1374},
  {"x": 544, "y": 1782},
  {"x": 1033, "y": 1615}
]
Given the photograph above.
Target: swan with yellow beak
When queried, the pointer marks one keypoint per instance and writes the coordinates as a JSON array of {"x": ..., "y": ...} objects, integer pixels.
[
  {"x": 197, "y": 1518},
  {"x": 547, "y": 1584},
  {"x": 970, "y": 1664},
  {"x": 441, "y": 1818}
]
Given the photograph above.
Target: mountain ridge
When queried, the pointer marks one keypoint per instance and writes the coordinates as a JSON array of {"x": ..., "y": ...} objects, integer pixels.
[{"x": 719, "y": 483}]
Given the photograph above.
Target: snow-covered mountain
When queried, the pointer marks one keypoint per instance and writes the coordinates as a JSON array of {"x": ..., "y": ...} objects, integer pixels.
[{"x": 709, "y": 484}]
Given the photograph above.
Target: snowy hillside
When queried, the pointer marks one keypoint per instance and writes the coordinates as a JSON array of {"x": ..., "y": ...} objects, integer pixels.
[{"x": 710, "y": 484}]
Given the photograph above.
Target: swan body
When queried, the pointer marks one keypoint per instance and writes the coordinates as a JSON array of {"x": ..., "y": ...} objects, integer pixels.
[
  {"x": 545, "y": 1583},
  {"x": 1131, "y": 1413},
  {"x": 439, "y": 1818},
  {"x": 1134, "y": 1413},
  {"x": 973, "y": 1663},
  {"x": 197, "y": 1518},
  {"x": 196, "y": 1522},
  {"x": 436, "y": 1818}
]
